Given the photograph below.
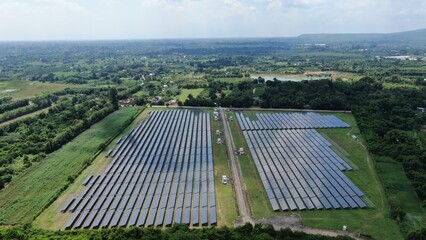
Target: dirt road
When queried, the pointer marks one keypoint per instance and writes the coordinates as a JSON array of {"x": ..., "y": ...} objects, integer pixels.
[{"x": 243, "y": 207}]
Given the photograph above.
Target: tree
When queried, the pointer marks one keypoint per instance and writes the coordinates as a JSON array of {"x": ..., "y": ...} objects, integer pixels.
[{"x": 113, "y": 97}]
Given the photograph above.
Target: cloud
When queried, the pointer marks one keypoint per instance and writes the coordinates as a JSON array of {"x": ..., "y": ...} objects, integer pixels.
[
  {"x": 238, "y": 7},
  {"x": 116, "y": 19}
]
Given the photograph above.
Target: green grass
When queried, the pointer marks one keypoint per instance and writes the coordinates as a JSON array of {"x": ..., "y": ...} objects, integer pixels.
[
  {"x": 185, "y": 92},
  {"x": 29, "y": 193},
  {"x": 400, "y": 85},
  {"x": 399, "y": 187},
  {"x": 373, "y": 221},
  {"x": 225, "y": 199},
  {"x": 397, "y": 184},
  {"x": 25, "y": 89},
  {"x": 259, "y": 91}
]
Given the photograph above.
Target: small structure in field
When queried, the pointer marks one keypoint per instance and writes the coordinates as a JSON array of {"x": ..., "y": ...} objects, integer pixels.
[
  {"x": 241, "y": 151},
  {"x": 225, "y": 179}
]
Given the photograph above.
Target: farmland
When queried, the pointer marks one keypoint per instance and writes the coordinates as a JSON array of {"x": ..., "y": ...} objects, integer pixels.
[
  {"x": 185, "y": 93},
  {"x": 25, "y": 89}
]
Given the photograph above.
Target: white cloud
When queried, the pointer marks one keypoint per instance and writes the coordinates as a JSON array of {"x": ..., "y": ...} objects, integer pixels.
[
  {"x": 238, "y": 7},
  {"x": 95, "y": 19}
]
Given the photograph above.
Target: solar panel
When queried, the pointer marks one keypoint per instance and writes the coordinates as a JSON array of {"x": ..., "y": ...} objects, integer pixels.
[
  {"x": 186, "y": 216},
  {"x": 213, "y": 218}
]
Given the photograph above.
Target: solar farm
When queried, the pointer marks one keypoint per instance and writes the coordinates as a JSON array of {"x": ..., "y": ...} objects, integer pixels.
[
  {"x": 297, "y": 166},
  {"x": 161, "y": 174}
]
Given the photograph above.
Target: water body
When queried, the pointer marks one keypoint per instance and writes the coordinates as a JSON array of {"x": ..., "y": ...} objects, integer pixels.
[{"x": 292, "y": 78}]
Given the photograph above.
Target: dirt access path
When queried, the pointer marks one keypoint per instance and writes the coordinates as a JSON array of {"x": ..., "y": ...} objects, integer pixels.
[
  {"x": 242, "y": 203},
  {"x": 294, "y": 222}
]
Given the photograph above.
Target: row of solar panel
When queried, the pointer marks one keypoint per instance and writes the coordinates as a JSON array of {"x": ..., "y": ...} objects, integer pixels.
[
  {"x": 302, "y": 144},
  {"x": 302, "y": 182},
  {"x": 153, "y": 180},
  {"x": 297, "y": 120}
]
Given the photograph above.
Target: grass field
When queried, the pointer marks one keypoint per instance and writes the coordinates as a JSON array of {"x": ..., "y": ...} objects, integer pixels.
[
  {"x": 373, "y": 221},
  {"x": 400, "y": 85},
  {"x": 399, "y": 187},
  {"x": 226, "y": 204},
  {"x": 25, "y": 89},
  {"x": 185, "y": 92},
  {"x": 28, "y": 194}
]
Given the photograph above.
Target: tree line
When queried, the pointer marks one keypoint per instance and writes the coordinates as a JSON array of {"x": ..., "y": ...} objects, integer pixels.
[
  {"x": 31, "y": 139},
  {"x": 177, "y": 232}
]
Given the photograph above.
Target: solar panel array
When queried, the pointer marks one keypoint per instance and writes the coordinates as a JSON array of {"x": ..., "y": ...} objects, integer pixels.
[
  {"x": 294, "y": 120},
  {"x": 299, "y": 170},
  {"x": 161, "y": 174}
]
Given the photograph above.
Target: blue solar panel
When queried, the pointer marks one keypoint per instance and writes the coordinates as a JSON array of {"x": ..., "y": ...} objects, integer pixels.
[
  {"x": 342, "y": 202},
  {"x": 359, "y": 202},
  {"x": 151, "y": 171},
  {"x": 187, "y": 216},
  {"x": 213, "y": 218}
]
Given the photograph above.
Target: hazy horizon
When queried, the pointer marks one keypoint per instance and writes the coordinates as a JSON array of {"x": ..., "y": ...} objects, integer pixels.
[{"x": 71, "y": 20}]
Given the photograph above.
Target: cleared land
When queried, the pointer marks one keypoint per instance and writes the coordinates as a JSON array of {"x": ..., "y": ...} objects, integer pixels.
[
  {"x": 373, "y": 221},
  {"x": 399, "y": 188},
  {"x": 185, "y": 92},
  {"x": 24, "y": 89},
  {"x": 31, "y": 192},
  {"x": 309, "y": 75}
]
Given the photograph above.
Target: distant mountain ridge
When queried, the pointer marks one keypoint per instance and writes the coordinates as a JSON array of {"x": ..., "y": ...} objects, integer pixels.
[{"x": 415, "y": 36}]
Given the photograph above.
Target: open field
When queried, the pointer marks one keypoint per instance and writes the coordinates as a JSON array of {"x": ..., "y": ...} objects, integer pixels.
[
  {"x": 185, "y": 92},
  {"x": 373, "y": 221},
  {"x": 387, "y": 85},
  {"x": 398, "y": 187},
  {"x": 29, "y": 193},
  {"x": 25, "y": 89},
  {"x": 308, "y": 75}
]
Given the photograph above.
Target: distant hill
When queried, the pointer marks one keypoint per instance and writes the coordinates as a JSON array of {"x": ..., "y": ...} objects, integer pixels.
[{"x": 415, "y": 36}]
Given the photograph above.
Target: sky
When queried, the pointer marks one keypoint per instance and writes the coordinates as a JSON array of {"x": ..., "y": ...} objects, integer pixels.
[{"x": 28, "y": 20}]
